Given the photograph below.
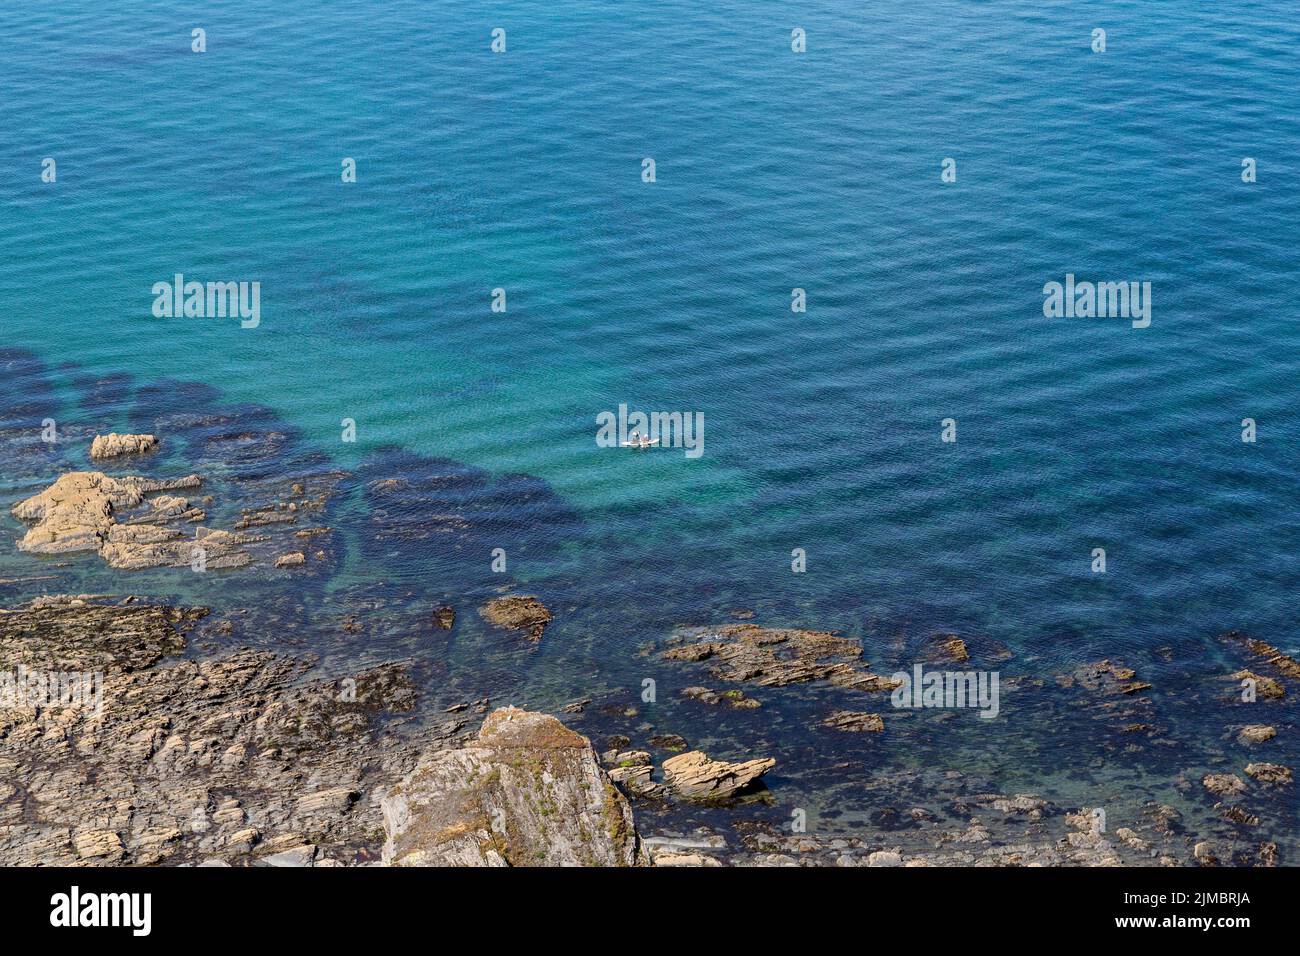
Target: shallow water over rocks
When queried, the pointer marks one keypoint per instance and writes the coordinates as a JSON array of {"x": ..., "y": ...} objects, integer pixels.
[{"x": 397, "y": 561}]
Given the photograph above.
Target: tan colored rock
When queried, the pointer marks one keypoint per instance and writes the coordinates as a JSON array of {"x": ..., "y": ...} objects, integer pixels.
[
  {"x": 1108, "y": 677},
  {"x": 143, "y": 780},
  {"x": 77, "y": 512},
  {"x": 1223, "y": 784},
  {"x": 1288, "y": 666},
  {"x": 336, "y": 800},
  {"x": 948, "y": 648},
  {"x": 95, "y": 844},
  {"x": 169, "y": 507},
  {"x": 694, "y": 776},
  {"x": 135, "y": 547},
  {"x": 518, "y": 612},
  {"x": 855, "y": 722},
  {"x": 86, "y": 511},
  {"x": 114, "y": 445},
  {"x": 1266, "y": 688},
  {"x": 632, "y": 771},
  {"x": 527, "y": 792},
  {"x": 1257, "y": 733},
  {"x": 1269, "y": 772},
  {"x": 775, "y": 657},
  {"x": 1132, "y": 840},
  {"x": 685, "y": 859},
  {"x": 73, "y": 514},
  {"x": 291, "y": 560}
]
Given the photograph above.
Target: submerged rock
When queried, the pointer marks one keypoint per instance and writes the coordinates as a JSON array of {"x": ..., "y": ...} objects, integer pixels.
[
  {"x": 694, "y": 776},
  {"x": 527, "y": 792},
  {"x": 518, "y": 612},
  {"x": 1287, "y": 666},
  {"x": 1107, "y": 677},
  {"x": 674, "y": 743},
  {"x": 445, "y": 617},
  {"x": 114, "y": 445},
  {"x": 948, "y": 648}
]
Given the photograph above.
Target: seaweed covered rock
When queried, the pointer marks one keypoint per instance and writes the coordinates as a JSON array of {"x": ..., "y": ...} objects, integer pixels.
[
  {"x": 518, "y": 613},
  {"x": 527, "y": 792}
]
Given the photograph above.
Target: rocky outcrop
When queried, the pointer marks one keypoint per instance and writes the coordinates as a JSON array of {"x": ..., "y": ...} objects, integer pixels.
[
  {"x": 77, "y": 512},
  {"x": 520, "y": 613},
  {"x": 1105, "y": 677},
  {"x": 694, "y": 776},
  {"x": 233, "y": 758},
  {"x": 775, "y": 657},
  {"x": 1269, "y": 772},
  {"x": 1256, "y": 733},
  {"x": 66, "y": 633},
  {"x": 855, "y": 722},
  {"x": 136, "y": 547},
  {"x": 135, "y": 523},
  {"x": 1223, "y": 784},
  {"x": 114, "y": 445},
  {"x": 1266, "y": 688},
  {"x": 527, "y": 792},
  {"x": 732, "y": 698},
  {"x": 445, "y": 617},
  {"x": 87, "y": 511},
  {"x": 947, "y": 649},
  {"x": 632, "y": 771},
  {"x": 1286, "y": 665}
]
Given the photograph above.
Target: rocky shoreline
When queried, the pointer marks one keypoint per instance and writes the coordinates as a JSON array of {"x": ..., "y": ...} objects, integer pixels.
[
  {"x": 222, "y": 738},
  {"x": 246, "y": 758}
]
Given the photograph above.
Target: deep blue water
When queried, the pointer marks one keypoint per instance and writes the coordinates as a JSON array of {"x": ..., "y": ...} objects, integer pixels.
[{"x": 775, "y": 170}]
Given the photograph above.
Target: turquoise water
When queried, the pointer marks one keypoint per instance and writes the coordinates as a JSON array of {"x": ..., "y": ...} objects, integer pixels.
[{"x": 775, "y": 170}]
